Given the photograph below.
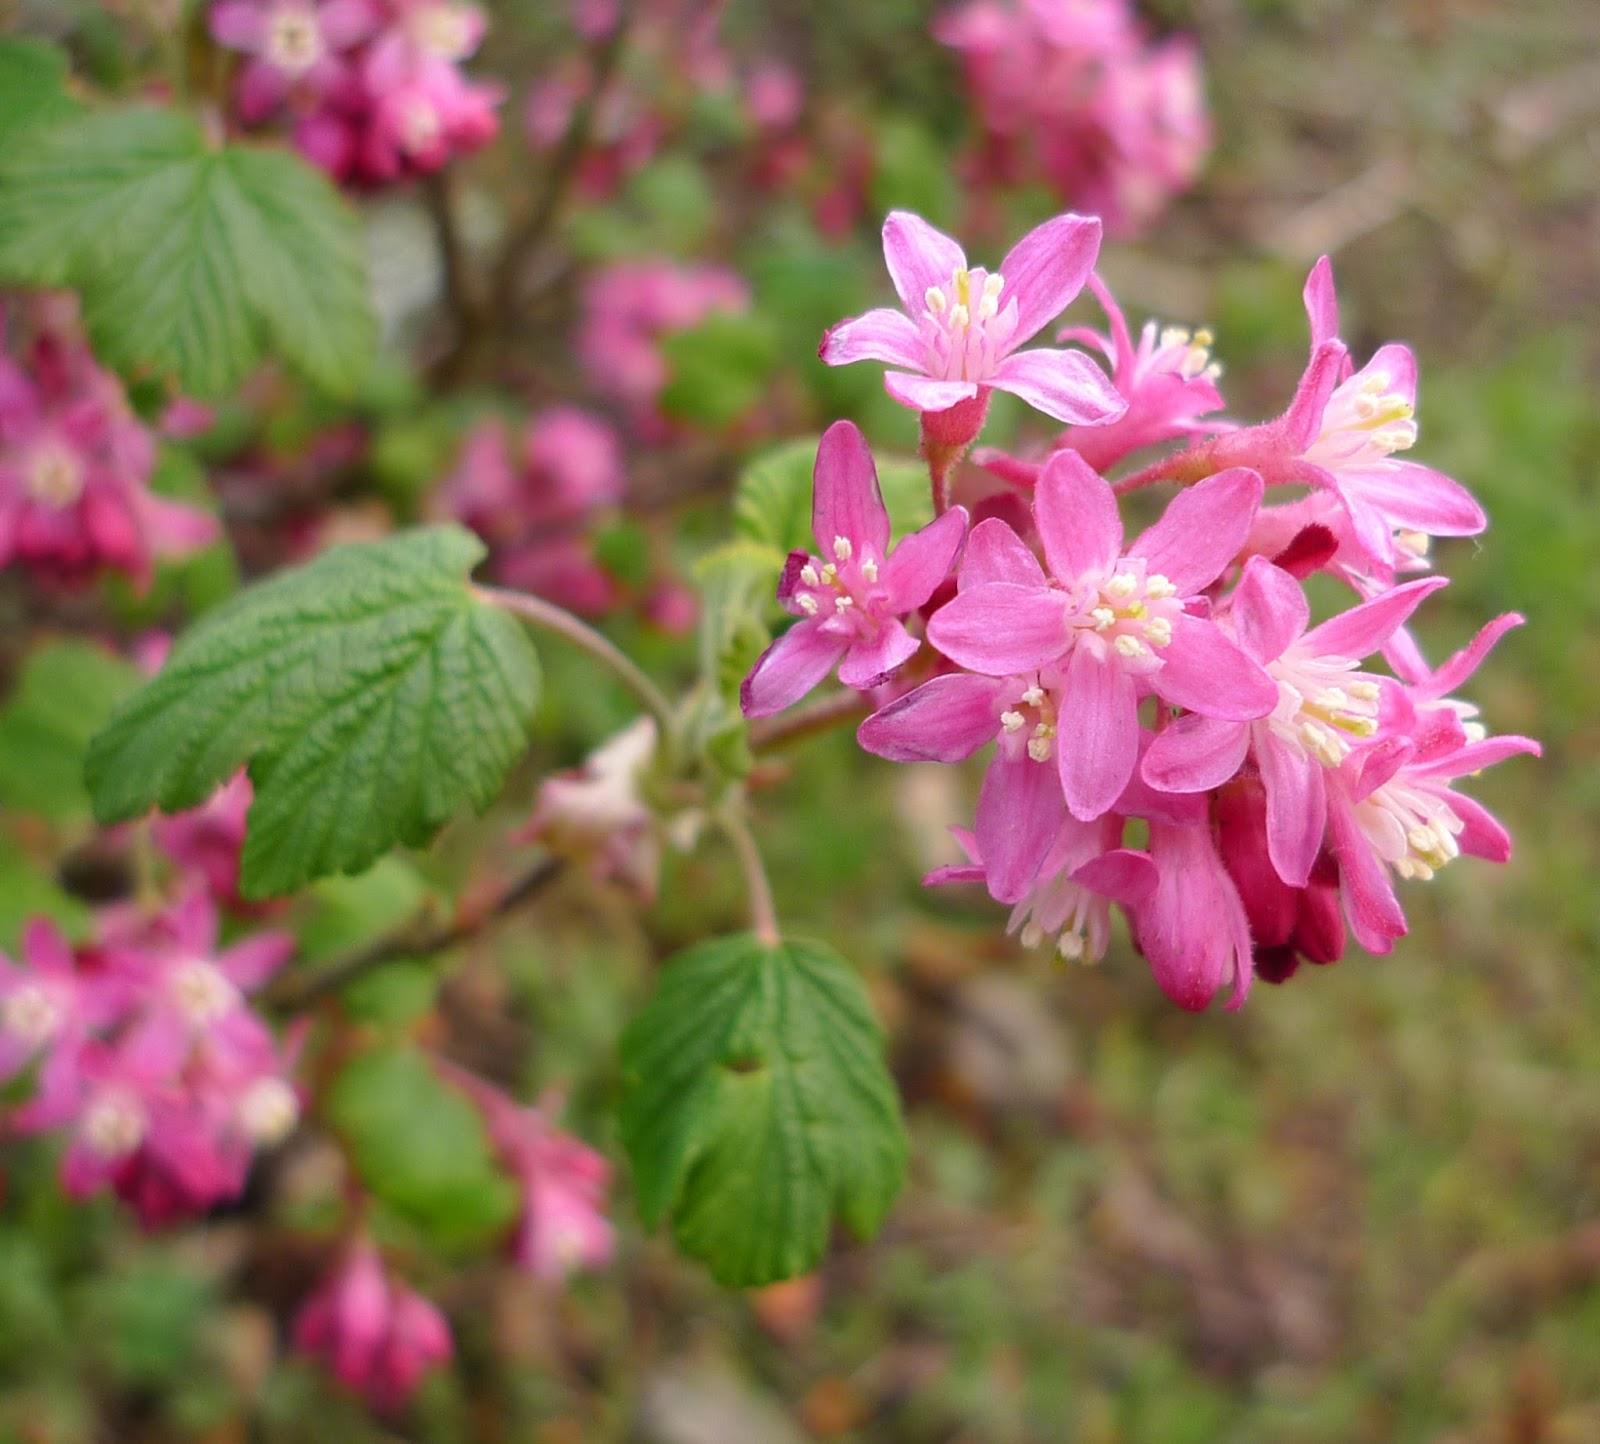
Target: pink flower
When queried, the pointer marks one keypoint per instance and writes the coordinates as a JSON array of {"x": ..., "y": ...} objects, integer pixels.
[
  {"x": 206, "y": 842},
  {"x": 1116, "y": 623},
  {"x": 48, "y": 1005},
  {"x": 1325, "y": 707},
  {"x": 958, "y": 334},
  {"x": 296, "y": 47},
  {"x": 75, "y": 465},
  {"x": 851, "y": 604},
  {"x": 1083, "y": 871},
  {"x": 378, "y": 1337}
]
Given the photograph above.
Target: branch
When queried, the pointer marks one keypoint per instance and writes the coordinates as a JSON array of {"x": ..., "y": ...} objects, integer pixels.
[
  {"x": 414, "y": 942},
  {"x": 770, "y": 733}
]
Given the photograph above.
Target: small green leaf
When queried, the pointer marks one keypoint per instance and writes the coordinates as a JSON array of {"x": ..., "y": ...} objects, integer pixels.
[
  {"x": 372, "y": 693},
  {"x": 189, "y": 260},
  {"x": 33, "y": 76},
  {"x": 420, "y": 1146},
  {"x": 719, "y": 369},
  {"x": 772, "y": 499},
  {"x": 758, "y": 1104},
  {"x": 27, "y": 892},
  {"x": 66, "y": 693}
]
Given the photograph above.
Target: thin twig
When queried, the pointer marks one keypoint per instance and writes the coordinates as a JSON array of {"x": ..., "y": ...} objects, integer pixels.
[
  {"x": 412, "y": 942},
  {"x": 443, "y": 210},
  {"x": 758, "y": 890},
  {"x": 827, "y": 712},
  {"x": 560, "y": 621}
]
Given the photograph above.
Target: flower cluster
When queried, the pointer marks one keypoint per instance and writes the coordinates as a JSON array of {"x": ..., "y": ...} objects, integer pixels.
[
  {"x": 534, "y": 499},
  {"x": 1070, "y": 92},
  {"x": 149, "y": 1057},
  {"x": 628, "y": 308},
  {"x": 1171, "y": 685},
  {"x": 75, "y": 462},
  {"x": 374, "y": 88}
]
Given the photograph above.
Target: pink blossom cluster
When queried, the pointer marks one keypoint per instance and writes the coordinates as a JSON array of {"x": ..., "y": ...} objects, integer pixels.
[
  {"x": 1171, "y": 732},
  {"x": 629, "y": 307},
  {"x": 374, "y": 89},
  {"x": 148, "y": 1057},
  {"x": 1071, "y": 92},
  {"x": 75, "y": 462},
  {"x": 535, "y": 496}
]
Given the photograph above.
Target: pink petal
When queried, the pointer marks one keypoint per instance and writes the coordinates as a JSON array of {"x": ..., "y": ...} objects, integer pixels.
[
  {"x": 249, "y": 964},
  {"x": 1202, "y": 671},
  {"x": 1297, "y": 806},
  {"x": 921, "y": 393},
  {"x": 1363, "y": 629},
  {"x": 1459, "y": 666},
  {"x": 1269, "y": 610},
  {"x": 1482, "y": 834},
  {"x": 237, "y": 24},
  {"x": 1202, "y": 530},
  {"x": 1076, "y": 513},
  {"x": 1303, "y": 420},
  {"x": 261, "y": 89},
  {"x": 845, "y": 500},
  {"x": 1369, "y": 900},
  {"x": 995, "y": 553},
  {"x": 923, "y": 560},
  {"x": 1322, "y": 303},
  {"x": 346, "y": 23},
  {"x": 881, "y": 335},
  {"x": 1413, "y": 497},
  {"x": 1000, "y": 628},
  {"x": 790, "y": 668},
  {"x": 1019, "y": 813},
  {"x": 173, "y": 529},
  {"x": 1098, "y": 737},
  {"x": 918, "y": 256},
  {"x": 1399, "y": 364},
  {"x": 945, "y": 720},
  {"x": 1047, "y": 268},
  {"x": 1195, "y": 754},
  {"x": 1066, "y": 385},
  {"x": 1123, "y": 875},
  {"x": 46, "y": 948},
  {"x": 1475, "y": 757},
  {"x": 868, "y": 662}
]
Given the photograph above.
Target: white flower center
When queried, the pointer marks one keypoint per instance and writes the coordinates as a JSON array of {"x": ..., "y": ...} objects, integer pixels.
[
  {"x": 1178, "y": 351},
  {"x": 420, "y": 126},
  {"x": 113, "y": 1125},
  {"x": 269, "y": 1111},
  {"x": 55, "y": 475},
  {"x": 1029, "y": 722},
  {"x": 843, "y": 590},
  {"x": 294, "y": 40},
  {"x": 202, "y": 994},
  {"x": 440, "y": 30},
  {"x": 1364, "y": 421},
  {"x": 31, "y": 1014},
  {"x": 1412, "y": 830},
  {"x": 1322, "y": 707},
  {"x": 964, "y": 332},
  {"x": 1126, "y": 615}
]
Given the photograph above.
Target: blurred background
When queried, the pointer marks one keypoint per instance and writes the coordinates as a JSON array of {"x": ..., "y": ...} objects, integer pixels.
[{"x": 1365, "y": 1209}]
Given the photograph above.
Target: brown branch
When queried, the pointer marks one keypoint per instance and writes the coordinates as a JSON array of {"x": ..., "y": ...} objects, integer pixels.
[
  {"x": 415, "y": 942},
  {"x": 823, "y": 714}
]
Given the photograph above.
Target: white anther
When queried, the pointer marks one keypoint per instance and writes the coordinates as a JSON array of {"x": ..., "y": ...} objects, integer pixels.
[
  {"x": 1363, "y": 691},
  {"x": 1322, "y": 743},
  {"x": 1039, "y": 749},
  {"x": 808, "y": 604},
  {"x": 1034, "y": 696},
  {"x": 829, "y": 573},
  {"x": 269, "y": 1111},
  {"x": 1128, "y": 645},
  {"x": 1012, "y": 721},
  {"x": 935, "y": 300},
  {"x": 1070, "y": 946},
  {"x": 1158, "y": 632},
  {"x": 960, "y": 318},
  {"x": 992, "y": 284},
  {"x": 808, "y": 574},
  {"x": 1103, "y": 618},
  {"x": 869, "y": 570},
  {"x": 842, "y": 550},
  {"x": 1158, "y": 588},
  {"x": 843, "y": 604},
  {"x": 203, "y": 993},
  {"x": 1121, "y": 586}
]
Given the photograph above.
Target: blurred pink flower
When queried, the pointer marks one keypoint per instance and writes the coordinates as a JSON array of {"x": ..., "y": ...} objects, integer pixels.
[
  {"x": 48, "y": 1004},
  {"x": 297, "y": 49},
  {"x": 206, "y": 842}
]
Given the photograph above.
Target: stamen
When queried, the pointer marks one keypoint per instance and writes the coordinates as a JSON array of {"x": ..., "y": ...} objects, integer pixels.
[
  {"x": 1128, "y": 645},
  {"x": 842, "y": 550},
  {"x": 808, "y": 574},
  {"x": 808, "y": 604},
  {"x": 935, "y": 299},
  {"x": 869, "y": 570},
  {"x": 843, "y": 604},
  {"x": 1012, "y": 721}
]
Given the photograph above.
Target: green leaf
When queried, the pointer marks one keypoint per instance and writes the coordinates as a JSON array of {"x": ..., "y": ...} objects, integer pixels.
[
  {"x": 191, "y": 261},
  {"x": 719, "y": 369},
  {"x": 420, "y": 1146},
  {"x": 758, "y": 1105},
  {"x": 27, "y": 892},
  {"x": 33, "y": 76},
  {"x": 371, "y": 692},
  {"x": 772, "y": 499},
  {"x": 66, "y": 693}
]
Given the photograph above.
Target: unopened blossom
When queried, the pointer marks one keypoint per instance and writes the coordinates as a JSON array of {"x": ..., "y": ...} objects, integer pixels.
[
  {"x": 1325, "y": 707},
  {"x": 1192, "y": 926},
  {"x": 852, "y": 596},
  {"x": 75, "y": 465},
  {"x": 961, "y": 327},
  {"x": 296, "y": 48},
  {"x": 377, "y": 1336},
  {"x": 1116, "y": 622}
]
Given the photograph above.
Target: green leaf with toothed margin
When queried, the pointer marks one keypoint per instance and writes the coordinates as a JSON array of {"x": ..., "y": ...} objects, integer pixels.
[
  {"x": 758, "y": 1106},
  {"x": 372, "y": 693}
]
